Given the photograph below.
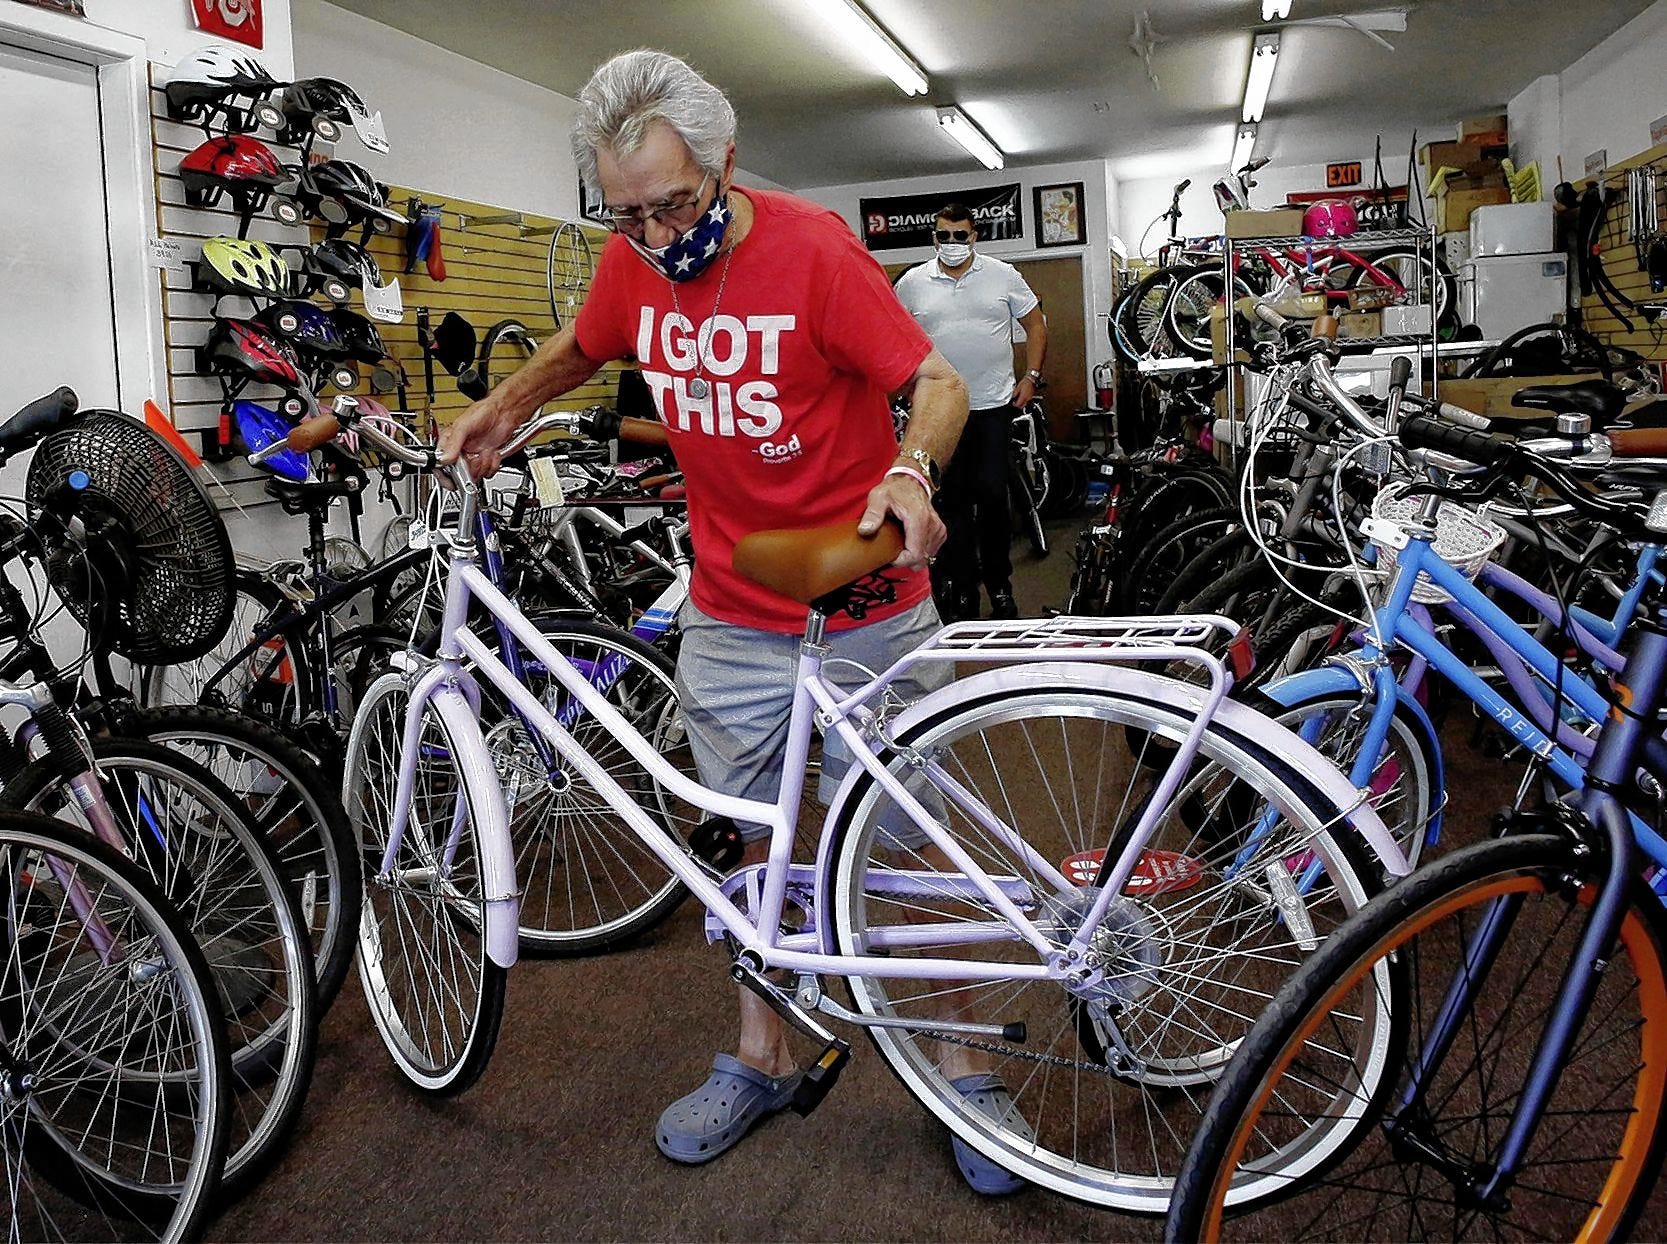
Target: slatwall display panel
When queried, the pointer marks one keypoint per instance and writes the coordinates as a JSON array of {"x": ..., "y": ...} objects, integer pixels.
[
  {"x": 194, "y": 401},
  {"x": 493, "y": 272},
  {"x": 1620, "y": 260},
  {"x": 496, "y": 269}
]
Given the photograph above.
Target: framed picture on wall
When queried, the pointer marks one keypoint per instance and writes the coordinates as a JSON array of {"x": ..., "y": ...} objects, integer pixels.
[
  {"x": 590, "y": 203},
  {"x": 1059, "y": 217},
  {"x": 77, "y": 7}
]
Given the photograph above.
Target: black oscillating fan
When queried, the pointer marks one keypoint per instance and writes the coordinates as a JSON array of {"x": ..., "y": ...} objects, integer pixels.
[{"x": 134, "y": 547}]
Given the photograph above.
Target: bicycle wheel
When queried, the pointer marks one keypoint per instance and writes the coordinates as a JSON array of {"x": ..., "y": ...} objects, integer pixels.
[
  {"x": 588, "y": 881},
  {"x": 1145, "y": 320},
  {"x": 1167, "y": 553},
  {"x": 436, "y": 996},
  {"x": 1305, "y": 1095},
  {"x": 568, "y": 271},
  {"x": 1404, "y": 787},
  {"x": 1196, "y": 295},
  {"x": 1029, "y": 516},
  {"x": 187, "y": 831},
  {"x": 113, "y": 1122},
  {"x": 271, "y": 683},
  {"x": 1426, "y": 284},
  {"x": 1245, "y": 871},
  {"x": 294, "y": 806}
]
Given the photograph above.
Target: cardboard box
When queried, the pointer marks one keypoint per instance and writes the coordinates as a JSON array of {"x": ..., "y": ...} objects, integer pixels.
[
  {"x": 1280, "y": 223},
  {"x": 1492, "y": 398},
  {"x": 1357, "y": 325},
  {"x": 1372, "y": 298},
  {"x": 1455, "y": 204},
  {"x": 1461, "y": 155},
  {"x": 1492, "y": 129}
]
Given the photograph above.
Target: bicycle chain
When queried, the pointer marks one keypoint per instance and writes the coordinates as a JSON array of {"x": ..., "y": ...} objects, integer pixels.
[{"x": 1008, "y": 1051}]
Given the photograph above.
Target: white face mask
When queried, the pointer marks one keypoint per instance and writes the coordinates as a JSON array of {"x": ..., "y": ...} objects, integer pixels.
[{"x": 954, "y": 254}]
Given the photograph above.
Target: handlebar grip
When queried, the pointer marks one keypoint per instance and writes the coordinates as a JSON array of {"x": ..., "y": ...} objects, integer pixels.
[
  {"x": 643, "y": 432},
  {"x": 308, "y": 436},
  {"x": 1327, "y": 327},
  {"x": 1478, "y": 447},
  {"x": 1464, "y": 418},
  {"x": 1638, "y": 442},
  {"x": 1400, "y": 371}
]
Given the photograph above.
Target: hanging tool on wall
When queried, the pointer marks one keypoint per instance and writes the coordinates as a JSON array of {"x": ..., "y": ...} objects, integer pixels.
[{"x": 422, "y": 239}]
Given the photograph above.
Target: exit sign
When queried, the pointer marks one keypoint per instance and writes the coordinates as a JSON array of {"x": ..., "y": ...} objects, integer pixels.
[{"x": 1343, "y": 176}]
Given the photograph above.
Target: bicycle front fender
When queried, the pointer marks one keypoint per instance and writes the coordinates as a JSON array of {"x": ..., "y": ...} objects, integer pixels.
[
  {"x": 502, "y": 915},
  {"x": 1230, "y": 715},
  {"x": 1296, "y": 690}
]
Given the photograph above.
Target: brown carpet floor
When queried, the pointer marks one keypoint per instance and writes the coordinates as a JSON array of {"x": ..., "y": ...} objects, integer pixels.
[{"x": 555, "y": 1142}]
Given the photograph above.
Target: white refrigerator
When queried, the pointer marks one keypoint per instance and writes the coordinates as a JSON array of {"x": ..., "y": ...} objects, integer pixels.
[{"x": 1503, "y": 293}]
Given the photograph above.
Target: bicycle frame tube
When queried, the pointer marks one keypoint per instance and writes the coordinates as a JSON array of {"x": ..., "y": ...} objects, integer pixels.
[{"x": 458, "y": 643}]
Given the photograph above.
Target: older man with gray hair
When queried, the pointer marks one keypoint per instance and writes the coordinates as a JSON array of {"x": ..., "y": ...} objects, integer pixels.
[{"x": 769, "y": 339}]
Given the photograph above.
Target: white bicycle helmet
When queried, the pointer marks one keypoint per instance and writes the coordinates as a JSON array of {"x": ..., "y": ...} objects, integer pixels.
[{"x": 211, "y": 84}]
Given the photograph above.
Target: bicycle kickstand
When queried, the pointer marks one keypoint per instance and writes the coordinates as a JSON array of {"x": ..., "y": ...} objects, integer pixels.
[{"x": 823, "y": 1073}]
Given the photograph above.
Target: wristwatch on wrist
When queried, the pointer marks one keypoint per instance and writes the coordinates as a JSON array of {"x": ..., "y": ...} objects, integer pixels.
[
  {"x": 1034, "y": 375},
  {"x": 923, "y": 460}
]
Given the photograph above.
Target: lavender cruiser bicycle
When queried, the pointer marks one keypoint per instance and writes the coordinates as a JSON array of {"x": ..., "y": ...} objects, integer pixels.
[{"x": 1062, "y": 869}]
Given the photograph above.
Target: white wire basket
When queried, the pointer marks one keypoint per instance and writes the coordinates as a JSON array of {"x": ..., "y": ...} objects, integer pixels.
[{"x": 1464, "y": 538}]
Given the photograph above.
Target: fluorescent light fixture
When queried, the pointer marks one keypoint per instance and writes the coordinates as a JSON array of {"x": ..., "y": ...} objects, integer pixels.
[
  {"x": 1275, "y": 10},
  {"x": 880, "y": 50},
  {"x": 1264, "y": 57},
  {"x": 1244, "y": 146},
  {"x": 957, "y": 125}
]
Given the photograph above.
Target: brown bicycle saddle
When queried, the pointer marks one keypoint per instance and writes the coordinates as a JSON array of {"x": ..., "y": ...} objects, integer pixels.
[{"x": 806, "y": 565}]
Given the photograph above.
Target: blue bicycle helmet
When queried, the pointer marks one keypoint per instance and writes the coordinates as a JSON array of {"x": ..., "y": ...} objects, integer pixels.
[{"x": 261, "y": 426}]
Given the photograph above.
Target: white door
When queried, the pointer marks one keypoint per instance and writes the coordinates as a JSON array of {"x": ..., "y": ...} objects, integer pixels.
[{"x": 57, "y": 305}]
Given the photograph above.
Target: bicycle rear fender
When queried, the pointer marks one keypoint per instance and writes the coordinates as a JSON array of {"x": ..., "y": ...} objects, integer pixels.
[
  {"x": 497, "y": 852},
  {"x": 1329, "y": 680},
  {"x": 1305, "y": 761}
]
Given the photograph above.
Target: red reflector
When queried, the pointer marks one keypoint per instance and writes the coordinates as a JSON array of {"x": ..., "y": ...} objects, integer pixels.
[
  {"x": 1157, "y": 872},
  {"x": 1242, "y": 652}
]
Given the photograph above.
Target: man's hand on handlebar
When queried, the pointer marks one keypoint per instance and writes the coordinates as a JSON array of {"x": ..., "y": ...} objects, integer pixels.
[{"x": 478, "y": 436}]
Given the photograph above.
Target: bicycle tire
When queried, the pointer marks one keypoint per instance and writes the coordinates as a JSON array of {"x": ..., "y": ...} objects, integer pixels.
[
  {"x": 1173, "y": 1067},
  {"x": 260, "y": 955},
  {"x": 374, "y": 753},
  {"x": 1029, "y": 515},
  {"x": 103, "y": 1203},
  {"x": 1168, "y": 551},
  {"x": 1539, "y": 868},
  {"x": 294, "y": 805},
  {"x": 1144, "y": 322}
]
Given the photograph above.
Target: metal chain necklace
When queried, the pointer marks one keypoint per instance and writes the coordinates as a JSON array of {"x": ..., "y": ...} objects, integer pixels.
[{"x": 699, "y": 387}]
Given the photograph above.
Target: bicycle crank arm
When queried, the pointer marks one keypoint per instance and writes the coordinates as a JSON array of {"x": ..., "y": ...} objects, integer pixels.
[
  {"x": 817, "y": 1080},
  {"x": 1007, "y": 1032}
]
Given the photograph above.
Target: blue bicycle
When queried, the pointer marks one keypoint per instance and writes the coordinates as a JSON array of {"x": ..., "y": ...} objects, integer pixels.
[{"x": 1481, "y": 1052}]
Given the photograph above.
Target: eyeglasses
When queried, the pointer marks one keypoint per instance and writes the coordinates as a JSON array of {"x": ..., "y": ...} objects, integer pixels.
[
  {"x": 677, "y": 215},
  {"x": 953, "y": 235}
]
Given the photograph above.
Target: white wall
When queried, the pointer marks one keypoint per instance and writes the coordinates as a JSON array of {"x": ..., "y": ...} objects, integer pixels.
[
  {"x": 169, "y": 33},
  {"x": 1098, "y": 187},
  {"x": 1607, "y": 100}
]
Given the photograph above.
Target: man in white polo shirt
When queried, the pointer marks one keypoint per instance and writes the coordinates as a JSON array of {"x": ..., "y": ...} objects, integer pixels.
[{"x": 967, "y": 303}]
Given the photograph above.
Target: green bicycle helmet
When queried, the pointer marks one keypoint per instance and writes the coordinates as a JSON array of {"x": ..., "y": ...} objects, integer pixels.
[{"x": 231, "y": 266}]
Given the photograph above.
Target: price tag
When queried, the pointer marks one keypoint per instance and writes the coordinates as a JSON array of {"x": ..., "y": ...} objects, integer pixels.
[
  {"x": 547, "y": 483},
  {"x": 383, "y": 302},
  {"x": 369, "y": 128},
  {"x": 1597, "y": 162},
  {"x": 166, "y": 253}
]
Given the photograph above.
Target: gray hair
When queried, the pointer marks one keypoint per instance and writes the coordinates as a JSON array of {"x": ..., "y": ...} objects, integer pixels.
[{"x": 629, "y": 93}]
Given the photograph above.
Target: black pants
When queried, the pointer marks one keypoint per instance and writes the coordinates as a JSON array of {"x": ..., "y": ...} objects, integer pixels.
[{"x": 973, "y": 503}]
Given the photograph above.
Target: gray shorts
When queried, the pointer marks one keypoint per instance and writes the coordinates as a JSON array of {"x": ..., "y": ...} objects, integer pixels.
[{"x": 736, "y": 684}]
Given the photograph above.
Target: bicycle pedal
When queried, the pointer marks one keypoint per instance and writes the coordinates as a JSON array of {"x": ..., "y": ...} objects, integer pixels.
[
  {"x": 717, "y": 841},
  {"x": 820, "y": 1077}
]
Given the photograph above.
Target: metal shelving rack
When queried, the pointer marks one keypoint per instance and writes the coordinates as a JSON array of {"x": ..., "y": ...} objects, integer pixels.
[{"x": 1423, "y": 242}]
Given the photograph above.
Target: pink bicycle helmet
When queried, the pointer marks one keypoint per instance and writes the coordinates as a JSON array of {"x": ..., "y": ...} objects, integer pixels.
[{"x": 1331, "y": 218}]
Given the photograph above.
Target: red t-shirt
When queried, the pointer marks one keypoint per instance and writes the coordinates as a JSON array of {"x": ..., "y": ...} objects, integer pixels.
[{"x": 800, "y": 353}]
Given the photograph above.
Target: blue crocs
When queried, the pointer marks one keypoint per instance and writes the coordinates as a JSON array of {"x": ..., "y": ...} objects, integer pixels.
[
  {"x": 986, "y": 1093},
  {"x": 714, "y": 1118}
]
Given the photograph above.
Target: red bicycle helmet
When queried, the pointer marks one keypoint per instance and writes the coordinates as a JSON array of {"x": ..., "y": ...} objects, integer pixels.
[
  {"x": 1331, "y": 218},
  {"x": 235, "y": 165},
  {"x": 247, "y": 350}
]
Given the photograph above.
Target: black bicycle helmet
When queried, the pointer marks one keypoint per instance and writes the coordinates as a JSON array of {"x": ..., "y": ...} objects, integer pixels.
[
  {"x": 337, "y": 267},
  {"x": 360, "y": 337},
  {"x": 221, "y": 85},
  {"x": 318, "y": 106},
  {"x": 344, "y": 193}
]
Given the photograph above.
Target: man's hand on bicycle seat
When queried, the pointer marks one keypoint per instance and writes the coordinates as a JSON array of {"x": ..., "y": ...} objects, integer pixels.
[{"x": 902, "y": 498}]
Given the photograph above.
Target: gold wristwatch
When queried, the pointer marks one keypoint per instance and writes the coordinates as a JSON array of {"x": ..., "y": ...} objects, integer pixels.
[{"x": 923, "y": 460}]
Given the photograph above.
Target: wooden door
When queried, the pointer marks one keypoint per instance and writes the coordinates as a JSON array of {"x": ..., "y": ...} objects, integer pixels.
[{"x": 1058, "y": 283}]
